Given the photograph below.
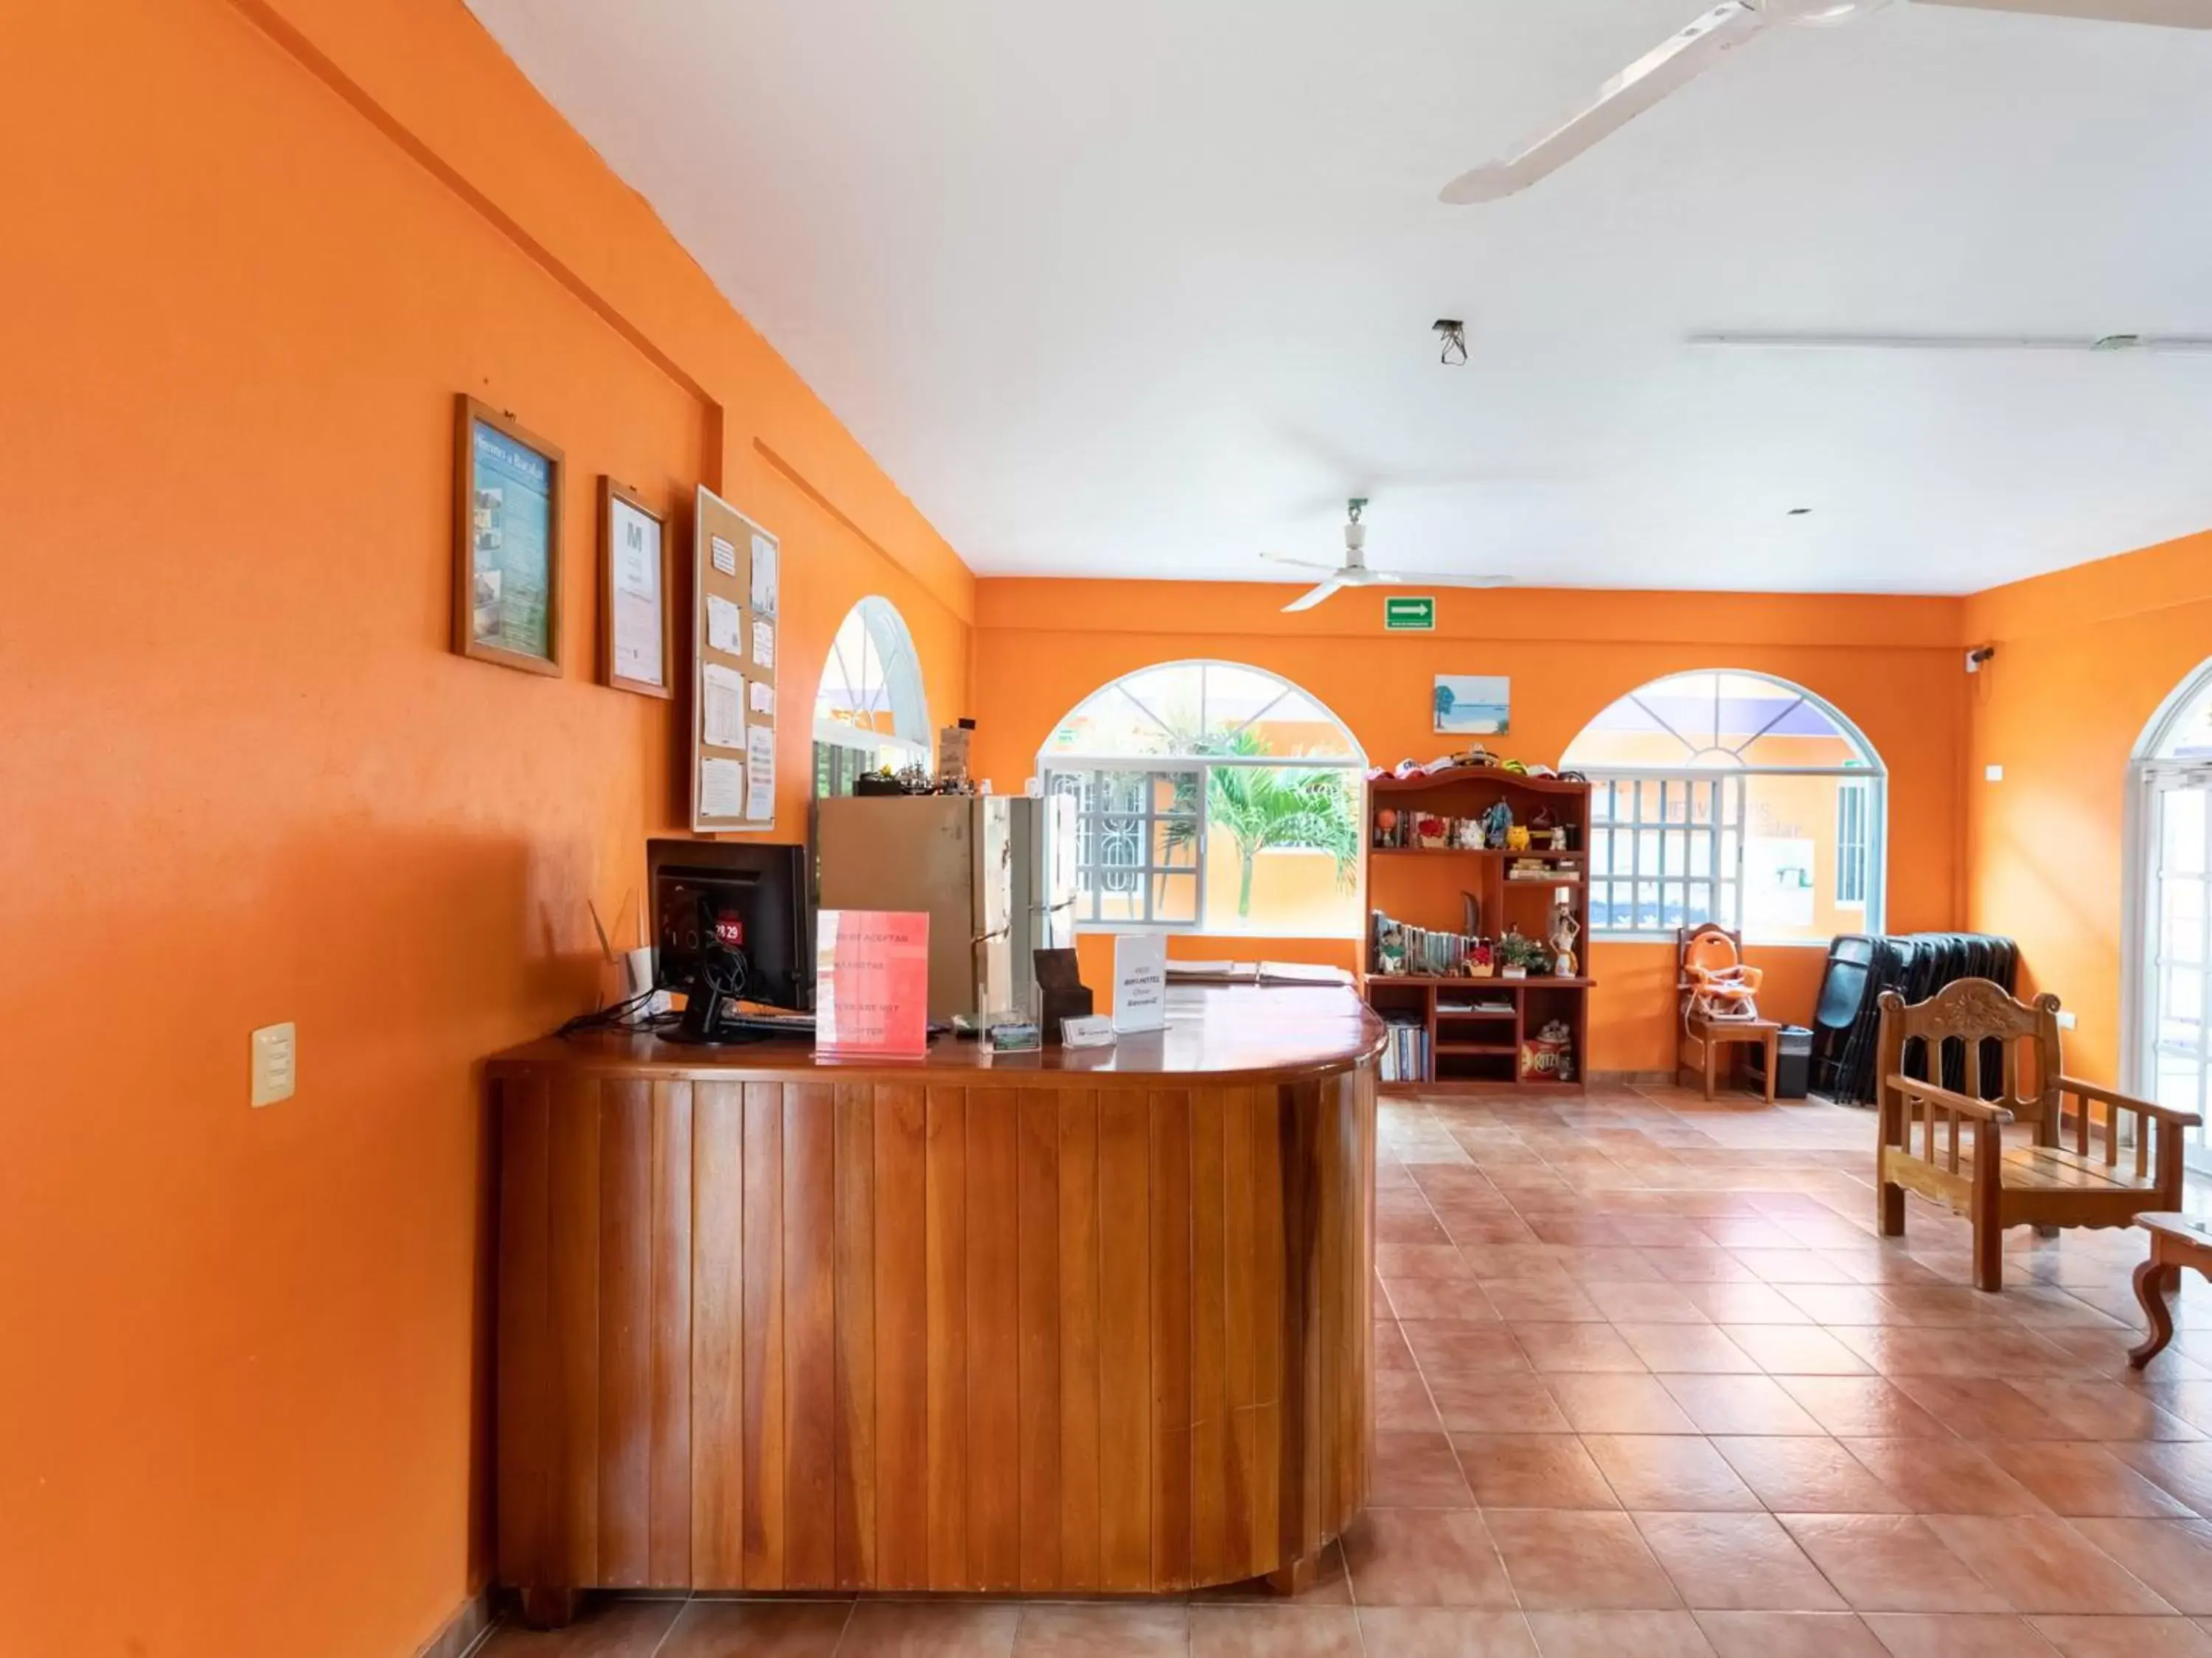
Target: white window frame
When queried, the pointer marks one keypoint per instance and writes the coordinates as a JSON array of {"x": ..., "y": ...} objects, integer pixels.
[
  {"x": 902, "y": 695},
  {"x": 2149, "y": 768},
  {"x": 1854, "y": 843},
  {"x": 1056, "y": 768},
  {"x": 1872, "y": 773},
  {"x": 1659, "y": 789}
]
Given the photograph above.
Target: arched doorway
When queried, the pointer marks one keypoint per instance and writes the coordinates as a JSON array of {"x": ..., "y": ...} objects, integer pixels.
[
  {"x": 870, "y": 710},
  {"x": 2166, "y": 978}
]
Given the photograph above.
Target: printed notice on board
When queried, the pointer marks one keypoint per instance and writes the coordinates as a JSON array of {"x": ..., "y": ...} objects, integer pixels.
[
  {"x": 763, "y": 644},
  {"x": 725, "y": 626},
  {"x": 722, "y": 708},
  {"x": 763, "y": 696},
  {"x": 763, "y": 576},
  {"x": 760, "y": 772},
  {"x": 725, "y": 554},
  {"x": 721, "y": 789}
]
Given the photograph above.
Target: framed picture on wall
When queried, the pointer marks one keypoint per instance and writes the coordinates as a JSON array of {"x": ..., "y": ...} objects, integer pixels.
[
  {"x": 507, "y": 541},
  {"x": 1474, "y": 704},
  {"x": 635, "y": 642}
]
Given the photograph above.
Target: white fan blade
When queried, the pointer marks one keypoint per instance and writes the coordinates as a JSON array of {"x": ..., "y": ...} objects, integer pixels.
[
  {"x": 1464, "y": 581},
  {"x": 1307, "y": 601},
  {"x": 1299, "y": 563},
  {"x": 2166, "y": 14},
  {"x": 1618, "y": 102}
]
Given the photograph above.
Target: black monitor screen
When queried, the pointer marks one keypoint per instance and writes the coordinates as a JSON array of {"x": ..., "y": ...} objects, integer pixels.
[{"x": 754, "y": 896}]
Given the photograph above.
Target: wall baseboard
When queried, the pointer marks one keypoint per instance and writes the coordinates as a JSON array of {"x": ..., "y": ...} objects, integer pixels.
[
  {"x": 469, "y": 1628},
  {"x": 1632, "y": 1078}
]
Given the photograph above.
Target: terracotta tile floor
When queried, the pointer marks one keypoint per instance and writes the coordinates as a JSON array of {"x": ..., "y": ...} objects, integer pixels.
[{"x": 1650, "y": 1384}]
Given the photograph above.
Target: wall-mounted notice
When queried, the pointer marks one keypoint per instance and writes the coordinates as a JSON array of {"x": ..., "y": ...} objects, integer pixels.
[
  {"x": 760, "y": 772},
  {"x": 722, "y": 707},
  {"x": 736, "y": 567},
  {"x": 764, "y": 577},
  {"x": 725, "y": 626},
  {"x": 871, "y": 982},
  {"x": 1141, "y": 982}
]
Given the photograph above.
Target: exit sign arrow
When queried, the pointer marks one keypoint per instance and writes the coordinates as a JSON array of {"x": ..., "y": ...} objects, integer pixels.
[{"x": 1409, "y": 615}]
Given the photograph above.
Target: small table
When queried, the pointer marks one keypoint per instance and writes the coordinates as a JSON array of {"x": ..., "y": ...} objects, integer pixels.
[
  {"x": 1713, "y": 1034},
  {"x": 2176, "y": 1241}
]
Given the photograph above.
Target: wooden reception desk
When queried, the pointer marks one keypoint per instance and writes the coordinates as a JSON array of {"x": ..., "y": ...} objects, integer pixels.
[{"x": 1088, "y": 1321}]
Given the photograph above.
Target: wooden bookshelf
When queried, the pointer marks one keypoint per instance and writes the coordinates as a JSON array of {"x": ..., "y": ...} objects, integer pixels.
[{"x": 1426, "y": 887}]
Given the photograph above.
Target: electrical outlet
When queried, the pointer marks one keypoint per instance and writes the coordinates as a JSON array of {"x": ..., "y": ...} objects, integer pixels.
[
  {"x": 275, "y": 1064},
  {"x": 2066, "y": 1020},
  {"x": 1993, "y": 774}
]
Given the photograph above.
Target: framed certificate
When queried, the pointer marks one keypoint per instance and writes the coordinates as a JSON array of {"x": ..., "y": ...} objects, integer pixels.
[
  {"x": 635, "y": 642},
  {"x": 507, "y": 541}
]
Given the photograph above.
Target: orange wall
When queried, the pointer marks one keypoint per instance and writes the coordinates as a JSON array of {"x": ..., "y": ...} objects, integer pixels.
[
  {"x": 2084, "y": 657},
  {"x": 1891, "y": 664},
  {"x": 253, "y": 253}
]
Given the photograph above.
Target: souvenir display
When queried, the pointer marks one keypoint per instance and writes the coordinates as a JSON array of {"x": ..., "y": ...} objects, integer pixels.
[{"x": 1565, "y": 931}]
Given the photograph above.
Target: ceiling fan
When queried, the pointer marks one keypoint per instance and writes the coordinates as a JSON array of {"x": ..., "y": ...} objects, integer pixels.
[
  {"x": 1353, "y": 571},
  {"x": 1691, "y": 48}
]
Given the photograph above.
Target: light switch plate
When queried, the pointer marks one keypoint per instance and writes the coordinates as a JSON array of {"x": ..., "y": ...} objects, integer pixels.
[
  {"x": 2066, "y": 1019},
  {"x": 1993, "y": 774},
  {"x": 275, "y": 1064}
]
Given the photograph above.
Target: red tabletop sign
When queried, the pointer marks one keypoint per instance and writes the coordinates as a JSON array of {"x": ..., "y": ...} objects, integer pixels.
[{"x": 871, "y": 982}]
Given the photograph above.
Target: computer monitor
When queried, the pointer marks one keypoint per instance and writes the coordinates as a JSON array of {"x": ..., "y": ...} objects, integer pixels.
[{"x": 757, "y": 894}]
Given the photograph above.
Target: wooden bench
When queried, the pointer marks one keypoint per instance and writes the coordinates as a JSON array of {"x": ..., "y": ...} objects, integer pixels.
[{"x": 1962, "y": 1160}]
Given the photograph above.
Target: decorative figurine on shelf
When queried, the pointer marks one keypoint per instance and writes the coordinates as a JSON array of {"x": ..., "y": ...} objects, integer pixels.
[
  {"x": 1517, "y": 837},
  {"x": 1385, "y": 828},
  {"x": 1542, "y": 823},
  {"x": 1565, "y": 930},
  {"x": 1559, "y": 836},
  {"x": 1495, "y": 822},
  {"x": 1467, "y": 834},
  {"x": 1432, "y": 831}
]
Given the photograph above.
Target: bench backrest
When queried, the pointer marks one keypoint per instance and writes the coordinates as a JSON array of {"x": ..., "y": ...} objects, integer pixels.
[{"x": 1974, "y": 1013}]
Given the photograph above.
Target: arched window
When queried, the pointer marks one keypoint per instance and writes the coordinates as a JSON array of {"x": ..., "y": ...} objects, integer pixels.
[
  {"x": 1732, "y": 797},
  {"x": 870, "y": 710},
  {"x": 1214, "y": 797},
  {"x": 2167, "y": 976}
]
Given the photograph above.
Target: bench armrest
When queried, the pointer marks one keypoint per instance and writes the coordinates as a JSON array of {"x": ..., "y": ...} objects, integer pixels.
[
  {"x": 1980, "y": 1111},
  {"x": 2103, "y": 1096}
]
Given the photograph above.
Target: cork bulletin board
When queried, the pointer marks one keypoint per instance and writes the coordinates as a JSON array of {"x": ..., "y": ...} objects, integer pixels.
[{"x": 735, "y": 642}]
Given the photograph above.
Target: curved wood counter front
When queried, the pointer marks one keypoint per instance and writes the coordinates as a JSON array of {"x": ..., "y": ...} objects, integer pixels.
[{"x": 1086, "y": 1321}]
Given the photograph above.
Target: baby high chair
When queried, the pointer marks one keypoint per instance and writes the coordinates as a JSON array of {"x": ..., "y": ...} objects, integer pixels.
[{"x": 1715, "y": 983}]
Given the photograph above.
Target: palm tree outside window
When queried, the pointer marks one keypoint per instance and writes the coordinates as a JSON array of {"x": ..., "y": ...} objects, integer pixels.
[{"x": 1213, "y": 797}]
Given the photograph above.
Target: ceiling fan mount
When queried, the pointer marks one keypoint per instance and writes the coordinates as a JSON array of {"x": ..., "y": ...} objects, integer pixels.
[
  {"x": 1701, "y": 42},
  {"x": 1353, "y": 572}
]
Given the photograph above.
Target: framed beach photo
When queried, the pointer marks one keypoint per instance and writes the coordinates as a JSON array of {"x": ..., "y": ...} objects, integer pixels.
[
  {"x": 1473, "y": 705},
  {"x": 507, "y": 541}
]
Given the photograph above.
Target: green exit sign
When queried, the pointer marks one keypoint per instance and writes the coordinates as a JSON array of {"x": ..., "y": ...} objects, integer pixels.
[{"x": 1402, "y": 615}]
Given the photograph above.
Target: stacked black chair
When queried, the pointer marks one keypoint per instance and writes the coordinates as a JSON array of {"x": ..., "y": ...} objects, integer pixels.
[{"x": 1861, "y": 966}]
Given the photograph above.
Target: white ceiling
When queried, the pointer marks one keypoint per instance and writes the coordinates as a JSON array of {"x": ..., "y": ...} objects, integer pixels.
[{"x": 1141, "y": 288}]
